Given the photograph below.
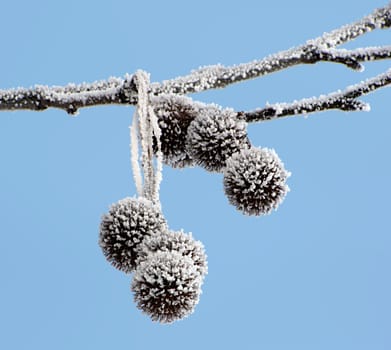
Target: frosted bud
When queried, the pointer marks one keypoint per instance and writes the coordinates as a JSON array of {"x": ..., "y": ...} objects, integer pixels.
[
  {"x": 166, "y": 286},
  {"x": 214, "y": 136},
  {"x": 255, "y": 181},
  {"x": 180, "y": 242},
  {"x": 124, "y": 227}
]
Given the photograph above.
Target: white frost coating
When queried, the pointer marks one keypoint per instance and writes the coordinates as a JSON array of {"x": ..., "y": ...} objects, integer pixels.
[
  {"x": 175, "y": 113},
  {"x": 346, "y": 100},
  {"x": 145, "y": 131},
  {"x": 214, "y": 135},
  {"x": 148, "y": 126},
  {"x": 159, "y": 157},
  {"x": 180, "y": 242},
  {"x": 255, "y": 181},
  {"x": 125, "y": 226},
  {"x": 350, "y": 32},
  {"x": 166, "y": 286},
  {"x": 134, "y": 155}
]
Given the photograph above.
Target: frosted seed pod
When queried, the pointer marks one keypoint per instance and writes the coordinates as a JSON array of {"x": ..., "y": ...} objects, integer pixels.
[
  {"x": 124, "y": 227},
  {"x": 214, "y": 136},
  {"x": 166, "y": 286},
  {"x": 255, "y": 181},
  {"x": 174, "y": 115},
  {"x": 181, "y": 242}
]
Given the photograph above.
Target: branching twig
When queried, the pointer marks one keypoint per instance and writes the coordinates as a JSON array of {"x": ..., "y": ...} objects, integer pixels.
[
  {"x": 345, "y": 101},
  {"x": 313, "y": 51},
  {"x": 123, "y": 91}
]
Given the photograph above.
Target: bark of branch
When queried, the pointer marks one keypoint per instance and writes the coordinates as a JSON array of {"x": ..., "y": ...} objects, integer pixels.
[{"x": 123, "y": 91}]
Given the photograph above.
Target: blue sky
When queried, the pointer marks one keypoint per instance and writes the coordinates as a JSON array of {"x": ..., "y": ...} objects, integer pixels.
[{"x": 312, "y": 275}]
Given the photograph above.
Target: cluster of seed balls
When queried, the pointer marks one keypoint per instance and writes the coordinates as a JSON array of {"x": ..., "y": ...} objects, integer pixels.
[
  {"x": 216, "y": 139},
  {"x": 168, "y": 267}
]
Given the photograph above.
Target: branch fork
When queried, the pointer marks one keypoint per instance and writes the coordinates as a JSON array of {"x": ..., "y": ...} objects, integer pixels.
[{"x": 71, "y": 98}]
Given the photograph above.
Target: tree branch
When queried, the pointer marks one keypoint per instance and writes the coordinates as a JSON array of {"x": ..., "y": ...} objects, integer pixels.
[
  {"x": 345, "y": 101},
  {"x": 380, "y": 18},
  {"x": 123, "y": 91},
  {"x": 69, "y": 98},
  {"x": 213, "y": 77}
]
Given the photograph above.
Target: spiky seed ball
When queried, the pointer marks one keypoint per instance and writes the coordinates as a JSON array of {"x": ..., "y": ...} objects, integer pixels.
[
  {"x": 174, "y": 115},
  {"x": 255, "y": 181},
  {"x": 125, "y": 226},
  {"x": 178, "y": 241},
  {"x": 214, "y": 136},
  {"x": 166, "y": 286}
]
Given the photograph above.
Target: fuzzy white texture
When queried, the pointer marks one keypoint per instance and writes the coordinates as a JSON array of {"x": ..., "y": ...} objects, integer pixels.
[
  {"x": 144, "y": 130},
  {"x": 174, "y": 114},
  {"x": 125, "y": 226},
  {"x": 158, "y": 169},
  {"x": 214, "y": 136},
  {"x": 146, "y": 133},
  {"x": 342, "y": 100},
  {"x": 178, "y": 241},
  {"x": 134, "y": 155},
  {"x": 255, "y": 181},
  {"x": 166, "y": 286}
]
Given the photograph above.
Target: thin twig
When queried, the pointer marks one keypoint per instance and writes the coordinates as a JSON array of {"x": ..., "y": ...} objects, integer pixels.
[{"x": 346, "y": 100}]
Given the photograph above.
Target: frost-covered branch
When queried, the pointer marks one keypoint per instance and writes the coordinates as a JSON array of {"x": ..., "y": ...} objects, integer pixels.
[
  {"x": 123, "y": 91},
  {"x": 316, "y": 50},
  {"x": 346, "y": 100},
  {"x": 69, "y": 98},
  {"x": 380, "y": 18}
]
